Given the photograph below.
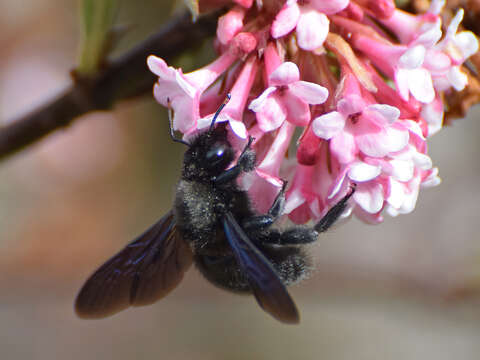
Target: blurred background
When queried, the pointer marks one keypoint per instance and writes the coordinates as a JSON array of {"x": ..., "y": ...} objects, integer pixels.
[{"x": 406, "y": 289}]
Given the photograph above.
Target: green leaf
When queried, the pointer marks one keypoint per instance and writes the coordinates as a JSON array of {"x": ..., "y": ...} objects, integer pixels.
[{"x": 97, "y": 18}]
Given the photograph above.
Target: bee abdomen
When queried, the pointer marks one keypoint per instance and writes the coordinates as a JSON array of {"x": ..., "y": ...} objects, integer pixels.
[{"x": 290, "y": 263}]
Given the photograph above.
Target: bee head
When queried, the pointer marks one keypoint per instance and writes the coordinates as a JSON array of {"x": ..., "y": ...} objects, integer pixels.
[{"x": 208, "y": 155}]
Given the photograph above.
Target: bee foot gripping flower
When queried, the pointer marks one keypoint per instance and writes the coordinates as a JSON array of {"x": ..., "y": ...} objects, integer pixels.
[{"x": 361, "y": 82}]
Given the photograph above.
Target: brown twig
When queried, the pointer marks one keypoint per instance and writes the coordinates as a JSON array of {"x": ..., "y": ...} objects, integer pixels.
[{"x": 123, "y": 78}]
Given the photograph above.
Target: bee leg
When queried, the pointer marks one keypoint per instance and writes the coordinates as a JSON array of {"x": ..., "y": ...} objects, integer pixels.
[
  {"x": 245, "y": 163},
  {"x": 298, "y": 235},
  {"x": 263, "y": 221},
  {"x": 334, "y": 213}
]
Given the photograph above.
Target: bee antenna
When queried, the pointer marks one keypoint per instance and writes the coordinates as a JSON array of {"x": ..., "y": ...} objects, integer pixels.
[
  {"x": 170, "y": 123},
  {"x": 227, "y": 99}
]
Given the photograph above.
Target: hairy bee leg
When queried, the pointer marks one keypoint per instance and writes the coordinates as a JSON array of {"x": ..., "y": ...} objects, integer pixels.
[
  {"x": 299, "y": 235},
  {"x": 296, "y": 235},
  {"x": 264, "y": 221},
  {"x": 334, "y": 213},
  {"x": 245, "y": 163}
]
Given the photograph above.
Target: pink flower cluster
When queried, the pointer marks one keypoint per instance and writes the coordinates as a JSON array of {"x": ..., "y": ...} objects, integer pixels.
[{"x": 356, "y": 85}]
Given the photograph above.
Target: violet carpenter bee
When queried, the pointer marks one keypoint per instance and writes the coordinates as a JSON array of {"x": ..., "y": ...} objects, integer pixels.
[{"x": 213, "y": 225}]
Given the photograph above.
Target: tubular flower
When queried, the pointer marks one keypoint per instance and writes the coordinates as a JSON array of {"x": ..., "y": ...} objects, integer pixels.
[{"x": 356, "y": 85}]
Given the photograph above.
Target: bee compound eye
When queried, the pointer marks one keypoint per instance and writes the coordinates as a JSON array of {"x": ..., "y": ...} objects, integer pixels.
[{"x": 216, "y": 153}]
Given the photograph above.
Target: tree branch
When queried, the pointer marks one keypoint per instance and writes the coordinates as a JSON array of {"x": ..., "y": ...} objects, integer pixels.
[{"x": 122, "y": 78}]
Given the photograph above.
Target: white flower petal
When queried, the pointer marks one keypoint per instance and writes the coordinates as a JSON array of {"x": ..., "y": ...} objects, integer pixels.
[
  {"x": 432, "y": 180},
  {"x": 457, "y": 78},
  {"x": 312, "y": 30},
  {"x": 422, "y": 161},
  {"x": 436, "y": 6},
  {"x": 454, "y": 23},
  {"x": 413, "y": 57},
  {"x": 391, "y": 211},
  {"x": 433, "y": 115},
  {"x": 420, "y": 85},
  {"x": 238, "y": 128},
  {"x": 369, "y": 197},
  {"x": 388, "y": 113},
  {"x": 360, "y": 171},
  {"x": 467, "y": 43},
  {"x": 430, "y": 34},
  {"x": 328, "y": 125},
  {"x": 397, "y": 193},
  {"x": 410, "y": 197},
  {"x": 402, "y": 170}
]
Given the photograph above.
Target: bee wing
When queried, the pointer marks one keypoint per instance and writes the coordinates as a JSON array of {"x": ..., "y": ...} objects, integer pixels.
[
  {"x": 143, "y": 272},
  {"x": 267, "y": 287}
]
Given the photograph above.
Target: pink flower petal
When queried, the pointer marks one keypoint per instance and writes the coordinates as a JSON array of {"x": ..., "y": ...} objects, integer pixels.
[
  {"x": 159, "y": 67},
  {"x": 343, "y": 147},
  {"x": 285, "y": 74},
  {"x": 368, "y": 217},
  {"x": 272, "y": 161},
  {"x": 401, "y": 83},
  {"x": 312, "y": 30},
  {"x": 185, "y": 114},
  {"x": 328, "y": 125},
  {"x": 230, "y": 24},
  {"x": 173, "y": 81},
  {"x": 272, "y": 114},
  {"x": 351, "y": 104},
  {"x": 309, "y": 92},
  {"x": 262, "y": 192},
  {"x": 245, "y": 3},
  {"x": 301, "y": 214},
  {"x": 329, "y": 6},
  {"x": 286, "y": 20},
  {"x": 298, "y": 111},
  {"x": 259, "y": 103},
  {"x": 294, "y": 200},
  {"x": 337, "y": 184},
  {"x": 377, "y": 142}
]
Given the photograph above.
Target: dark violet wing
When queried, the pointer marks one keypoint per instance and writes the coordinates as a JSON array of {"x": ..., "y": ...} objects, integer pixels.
[
  {"x": 143, "y": 272},
  {"x": 267, "y": 287}
]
